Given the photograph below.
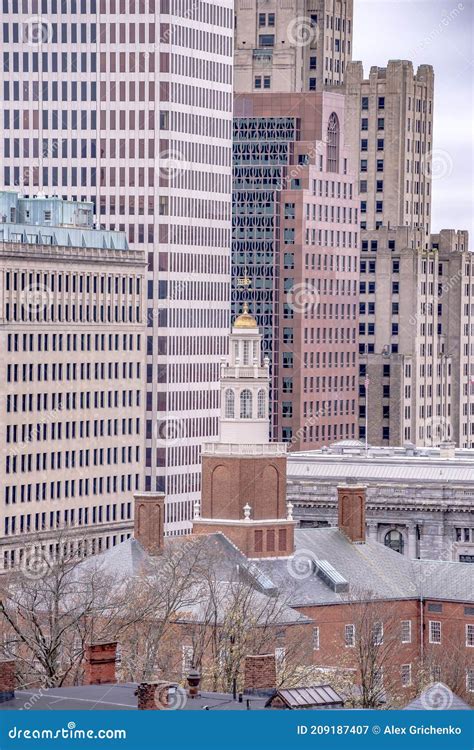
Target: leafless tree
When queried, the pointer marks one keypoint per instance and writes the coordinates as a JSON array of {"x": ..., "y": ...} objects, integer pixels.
[
  {"x": 48, "y": 614},
  {"x": 376, "y": 640}
]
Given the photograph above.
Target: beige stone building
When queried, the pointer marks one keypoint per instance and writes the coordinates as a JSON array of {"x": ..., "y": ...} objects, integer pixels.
[
  {"x": 415, "y": 326},
  {"x": 456, "y": 321},
  {"x": 72, "y": 333},
  {"x": 291, "y": 45},
  {"x": 389, "y": 125}
]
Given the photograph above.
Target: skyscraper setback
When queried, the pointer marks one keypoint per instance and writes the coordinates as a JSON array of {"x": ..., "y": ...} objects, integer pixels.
[{"x": 129, "y": 104}]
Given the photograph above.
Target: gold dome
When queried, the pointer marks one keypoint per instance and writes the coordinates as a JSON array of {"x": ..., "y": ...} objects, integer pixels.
[{"x": 245, "y": 320}]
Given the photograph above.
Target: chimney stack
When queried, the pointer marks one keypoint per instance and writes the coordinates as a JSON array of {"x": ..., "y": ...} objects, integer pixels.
[
  {"x": 259, "y": 673},
  {"x": 351, "y": 511},
  {"x": 149, "y": 521},
  {"x": 99, "y": 666},
  {"x": 7, "y": 680}
]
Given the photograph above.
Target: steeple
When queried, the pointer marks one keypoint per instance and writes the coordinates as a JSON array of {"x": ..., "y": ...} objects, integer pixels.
[
  {"x": 245, "y": 384},
  {"x": 244, "y": 474}
]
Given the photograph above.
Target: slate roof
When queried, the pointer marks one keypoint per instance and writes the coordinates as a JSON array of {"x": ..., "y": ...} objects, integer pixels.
[{"x": 367, "y": 567}]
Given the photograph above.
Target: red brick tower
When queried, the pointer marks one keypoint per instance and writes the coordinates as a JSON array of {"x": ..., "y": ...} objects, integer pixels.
[{"x": 244, "y": 475}]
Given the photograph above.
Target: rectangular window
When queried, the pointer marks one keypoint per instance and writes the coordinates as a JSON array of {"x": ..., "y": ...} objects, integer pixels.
[
  {"x": 406, "y": 624},
  {"x": 469, "y": 635},
  {"x": 315, "y": 639},
  {"x": 377, "y": 633},
  {"x": 406, "y": 675},
  {"x": 435, "y": 631},
  {"x": 349, "y": 635}
]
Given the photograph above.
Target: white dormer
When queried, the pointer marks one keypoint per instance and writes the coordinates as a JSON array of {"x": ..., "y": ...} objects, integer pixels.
[{"x": 245, "y": 383}]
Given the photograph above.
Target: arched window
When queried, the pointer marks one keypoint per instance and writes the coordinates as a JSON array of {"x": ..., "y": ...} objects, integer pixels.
[
  {"x": 246, "y": 404},
  {"x": 394, "y": 540},
  {"x": 261, "y": 404},
  {"x": 229, "y": 404},
  {"x": 333, "y": 144}
]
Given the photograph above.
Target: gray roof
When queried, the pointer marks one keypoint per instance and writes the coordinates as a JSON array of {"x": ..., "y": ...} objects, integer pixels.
[
  {"x": 118, "y": 697},
  {"x": 415, "y": 470},
  {"x": 437, "y": 697},
  {"x": 302, "y": 580},
  {"x": 370, "y": 567}
]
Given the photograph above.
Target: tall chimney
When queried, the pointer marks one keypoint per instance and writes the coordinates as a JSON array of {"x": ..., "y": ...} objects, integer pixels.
[
  {"x": 99, "y": 666},
  {"x": 259, "y": 673},
  {"x": 7, "y": 679},
  {"x": 351, "y": 511},
  {"x": 149, "y": 521}
]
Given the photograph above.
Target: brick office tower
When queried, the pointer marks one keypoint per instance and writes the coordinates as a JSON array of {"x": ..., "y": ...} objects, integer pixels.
[
  {"x": 291, "y": 46},
  {"x": 244, "y": 475},
  {"x": 128, "y": 103},
  {"x": 295, "y": 237}
]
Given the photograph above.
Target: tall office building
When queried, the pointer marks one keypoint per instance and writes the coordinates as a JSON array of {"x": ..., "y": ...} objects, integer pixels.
[
  {"x": 456, "y": 326},
  {"x": 295, "y": 259},
  {"x": 292, "y": 45},
  {"x": 389, "y": 127},
  {"x": 402, "y": 361},
  {"x": 129, "y": 104},
  {"x": 72, "y": 336}
]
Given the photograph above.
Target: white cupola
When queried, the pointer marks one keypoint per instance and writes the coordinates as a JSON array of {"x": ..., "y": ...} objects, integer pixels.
[{"x": 245, "y": 383}]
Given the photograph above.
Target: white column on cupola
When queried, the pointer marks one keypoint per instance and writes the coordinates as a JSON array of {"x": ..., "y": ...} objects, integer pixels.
[{"x": 245, "y": 384}]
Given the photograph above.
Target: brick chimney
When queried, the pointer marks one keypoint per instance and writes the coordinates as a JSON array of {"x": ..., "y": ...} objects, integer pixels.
[
  {"x": 99, "y": 663},
  {"x": 149, "y": 520},
  {"x": 259, "y": 673},
  {"x": 7, "y": 680},
  {"x": 153, "y": 696},
  {"x": 351, "y": 511}
]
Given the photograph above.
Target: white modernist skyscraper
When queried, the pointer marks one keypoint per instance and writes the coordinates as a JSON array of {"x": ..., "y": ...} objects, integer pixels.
[{"x": 128, "y": 103}]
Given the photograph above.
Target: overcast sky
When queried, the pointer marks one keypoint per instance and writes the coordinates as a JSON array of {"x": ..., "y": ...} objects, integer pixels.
[{"x": 441, "y": 34}]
